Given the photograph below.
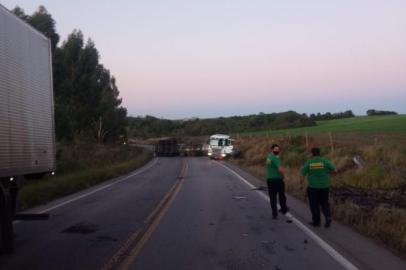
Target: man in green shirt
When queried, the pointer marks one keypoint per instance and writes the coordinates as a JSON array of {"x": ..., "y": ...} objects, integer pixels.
[
  {"x": 317, "y": 170},
  {"x": 276, "y": 186}
]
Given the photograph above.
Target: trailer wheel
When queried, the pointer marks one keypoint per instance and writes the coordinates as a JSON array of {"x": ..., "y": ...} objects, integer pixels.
[{"x": 6, "y": 225}]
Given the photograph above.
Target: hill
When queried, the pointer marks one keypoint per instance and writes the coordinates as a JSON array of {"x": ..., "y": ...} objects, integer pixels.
[{"x": 387, "y": 123}]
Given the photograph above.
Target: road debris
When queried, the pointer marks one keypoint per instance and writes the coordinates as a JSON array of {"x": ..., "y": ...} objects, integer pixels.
[
  {"x": 82, "y": 228},
  {"x": 260, "y": 188},
  {"x": 359, "y": 161}
]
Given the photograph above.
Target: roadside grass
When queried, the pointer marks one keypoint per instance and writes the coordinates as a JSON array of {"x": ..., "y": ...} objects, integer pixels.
[
  {"x": 371, "y": 199},
  {"x": 385, "y": 225},
  {"x": 81, "y": 167},
  {"x": 387, "y": 123}
]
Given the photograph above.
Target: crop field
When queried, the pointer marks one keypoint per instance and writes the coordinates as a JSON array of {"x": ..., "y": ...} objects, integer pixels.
[{"x": 388, "y": 123}]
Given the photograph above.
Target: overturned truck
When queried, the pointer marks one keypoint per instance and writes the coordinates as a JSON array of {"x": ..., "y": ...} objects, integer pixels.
[{"x": 168, "y": 147}]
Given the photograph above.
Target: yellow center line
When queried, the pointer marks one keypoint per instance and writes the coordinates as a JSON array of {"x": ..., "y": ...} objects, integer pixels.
[
  {"x": 122, "y": 251},
  {"x": 133, "y": 246}
]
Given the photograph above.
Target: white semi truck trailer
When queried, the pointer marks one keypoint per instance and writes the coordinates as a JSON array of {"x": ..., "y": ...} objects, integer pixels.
[{"x": 27, "y": 137}]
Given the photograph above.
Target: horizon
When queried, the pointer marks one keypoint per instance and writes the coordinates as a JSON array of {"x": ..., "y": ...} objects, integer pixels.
[
  {"x": 222, "y": 58},
  {"x": 243, "y": 115}
]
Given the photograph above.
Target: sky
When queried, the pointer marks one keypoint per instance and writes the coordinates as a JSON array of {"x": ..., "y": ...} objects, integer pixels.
[{"x": 184, "y": 58}]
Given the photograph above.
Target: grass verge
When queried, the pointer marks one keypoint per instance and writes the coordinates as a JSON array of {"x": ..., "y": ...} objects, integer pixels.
[{"x": 371, "y": 199}]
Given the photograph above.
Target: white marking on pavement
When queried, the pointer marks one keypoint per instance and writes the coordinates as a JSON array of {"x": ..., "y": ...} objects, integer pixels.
[
  {"x": 100, "y": 188},
  {"x": 323, "y": 244}
]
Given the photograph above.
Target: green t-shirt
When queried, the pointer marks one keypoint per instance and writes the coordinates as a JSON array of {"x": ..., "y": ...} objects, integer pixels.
[
  {"x": 272, "y": 164},
  {"x": 316, "y": 170}
]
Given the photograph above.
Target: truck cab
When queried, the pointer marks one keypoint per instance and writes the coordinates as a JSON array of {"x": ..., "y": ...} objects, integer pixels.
[{"x": 220, "y": 146}]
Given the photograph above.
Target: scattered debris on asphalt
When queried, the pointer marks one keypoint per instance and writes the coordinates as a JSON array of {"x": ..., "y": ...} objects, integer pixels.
[
  {"x": 82, "y": 228},
  {"x": 260, "y": 188}
]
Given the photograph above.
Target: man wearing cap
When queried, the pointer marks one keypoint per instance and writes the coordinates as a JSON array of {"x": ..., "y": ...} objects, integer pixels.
[{"x": 317, "y": 170}]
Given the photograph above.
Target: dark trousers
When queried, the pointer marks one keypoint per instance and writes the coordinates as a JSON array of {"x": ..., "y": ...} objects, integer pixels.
[
  {"x": 277, "y": 187},
  {"x": 318, "y": 197}
]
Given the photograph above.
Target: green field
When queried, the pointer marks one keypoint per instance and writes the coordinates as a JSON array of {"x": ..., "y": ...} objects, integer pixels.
[{"x": 389, "y": 123}]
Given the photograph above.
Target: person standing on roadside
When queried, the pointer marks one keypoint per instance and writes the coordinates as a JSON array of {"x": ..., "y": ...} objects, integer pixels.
[
  {"x": 317, "y": 170},
  {"x": 276, "y": 185}
]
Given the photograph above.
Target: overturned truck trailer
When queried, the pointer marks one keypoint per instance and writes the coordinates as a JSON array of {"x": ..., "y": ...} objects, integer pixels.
[
  {"x": 27, "y": 143},
  {"x": 166, "y": 147}
]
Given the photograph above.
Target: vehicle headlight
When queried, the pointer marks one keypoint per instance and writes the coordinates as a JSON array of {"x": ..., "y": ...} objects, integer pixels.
[
  {"x": 223, "y": 155},
  {"x": 209, "y": 153}
]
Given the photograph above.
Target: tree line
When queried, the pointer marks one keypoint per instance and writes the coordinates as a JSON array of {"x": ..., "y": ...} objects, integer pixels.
[
  {"x": 87, "y": 102},
  {"x": 373, "y": 112},
  {"x": 149, "y": 126},
  {"x": 331, "y": 116}
]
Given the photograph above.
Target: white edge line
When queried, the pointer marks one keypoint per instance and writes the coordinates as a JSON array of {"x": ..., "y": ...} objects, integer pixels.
[
  {"x": 100, "y": 188},
  {"x": 323, "y": 244}
]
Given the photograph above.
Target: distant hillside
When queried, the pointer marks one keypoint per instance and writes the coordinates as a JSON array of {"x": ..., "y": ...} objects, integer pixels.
[
  {"x": 387, "y": 123},
  {"x": 149, "y": 126}
]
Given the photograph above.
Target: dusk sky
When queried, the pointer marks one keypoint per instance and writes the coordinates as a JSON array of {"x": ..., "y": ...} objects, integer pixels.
[{"x": 178, "y": 59}]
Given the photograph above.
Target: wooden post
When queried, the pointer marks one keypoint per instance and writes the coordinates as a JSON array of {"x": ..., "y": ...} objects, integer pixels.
[
  {"x": 331, "y": 142},
  {"x": 307, "y": 141}
]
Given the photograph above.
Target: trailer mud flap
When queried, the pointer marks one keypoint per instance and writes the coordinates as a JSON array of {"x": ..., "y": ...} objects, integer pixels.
[{"x": 6, "y": 225}]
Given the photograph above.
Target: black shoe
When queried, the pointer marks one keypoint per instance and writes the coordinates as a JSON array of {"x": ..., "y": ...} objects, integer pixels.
[
  {"x": 327, "y": 224},
  {"x": 274, "y": 217},
  {"x": 314, "y": 224},
  {"x": 284, "y": 211}
]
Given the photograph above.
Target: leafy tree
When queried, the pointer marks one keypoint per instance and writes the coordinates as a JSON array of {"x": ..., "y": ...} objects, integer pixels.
[
  {"x": 330, "y": 116},
  {"x": 42, "y": 21},
  {"x": 373, "y": 112},
  {"x": 20, "y": 13},
  {"x": 87, "y": 92},
  {"x": 87, "y": 103}
]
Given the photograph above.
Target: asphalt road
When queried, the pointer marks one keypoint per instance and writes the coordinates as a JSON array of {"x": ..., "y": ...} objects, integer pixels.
[
  {"x": 173, "y": 214},
  {"x": 85, "y": 233},
  {"x": 218, "y": 222}
]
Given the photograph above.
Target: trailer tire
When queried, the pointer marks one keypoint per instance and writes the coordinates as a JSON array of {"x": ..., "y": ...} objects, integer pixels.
[{"x": 6, "y": 225}]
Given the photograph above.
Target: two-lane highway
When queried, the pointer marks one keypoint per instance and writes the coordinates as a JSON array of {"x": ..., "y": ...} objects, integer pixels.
[
  {"x": 191, "y": 213},
  {"x": 218, "y": 222}
]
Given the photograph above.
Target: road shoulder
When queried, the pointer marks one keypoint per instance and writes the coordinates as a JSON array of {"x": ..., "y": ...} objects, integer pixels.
[
  {"x": 65, "y": 200},
  {"x": 360, "y": 250}
]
